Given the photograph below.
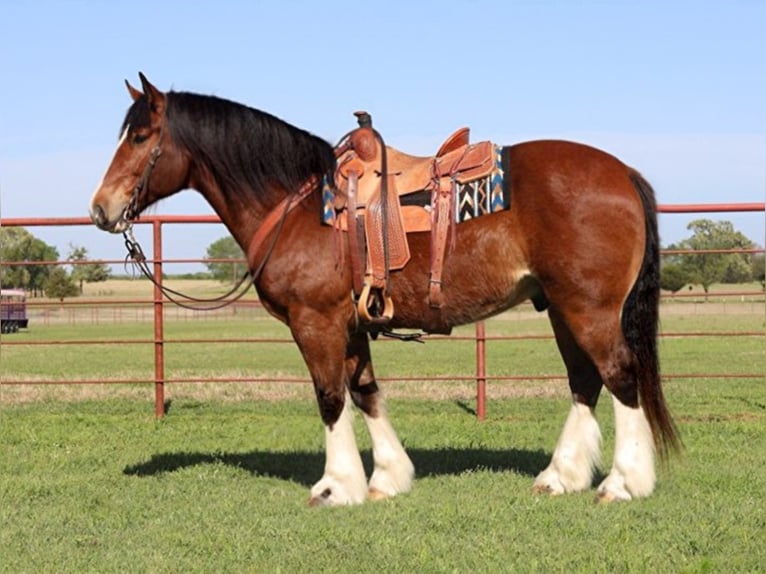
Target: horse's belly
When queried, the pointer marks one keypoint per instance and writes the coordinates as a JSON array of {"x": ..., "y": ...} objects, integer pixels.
[{"x": 470, "y": 294}]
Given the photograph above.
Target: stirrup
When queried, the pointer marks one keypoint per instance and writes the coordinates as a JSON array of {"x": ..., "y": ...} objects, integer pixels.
[{"x": 368, "y": 300}]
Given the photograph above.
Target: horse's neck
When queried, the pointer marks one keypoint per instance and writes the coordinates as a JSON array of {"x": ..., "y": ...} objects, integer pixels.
[{"x": 241, "y": 218}]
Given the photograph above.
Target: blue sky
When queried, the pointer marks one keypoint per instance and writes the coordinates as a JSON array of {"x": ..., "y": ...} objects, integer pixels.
[{"x": 676, "y": 89}]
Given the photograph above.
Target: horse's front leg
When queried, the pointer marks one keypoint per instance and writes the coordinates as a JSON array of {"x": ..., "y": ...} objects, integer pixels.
[
  {"x": 322, "y": 340},
  {"x": 393, "y": 472}
]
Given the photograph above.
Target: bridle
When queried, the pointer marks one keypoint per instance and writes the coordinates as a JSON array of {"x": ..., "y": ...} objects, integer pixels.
[
  {"x": 274, "y": 220},
  {"x": 136, "y": 253},
  {"x": 131, "y": 211}
]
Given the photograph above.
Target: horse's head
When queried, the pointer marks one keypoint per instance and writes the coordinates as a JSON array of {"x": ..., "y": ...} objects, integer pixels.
[{"x": 146, "y": 166}]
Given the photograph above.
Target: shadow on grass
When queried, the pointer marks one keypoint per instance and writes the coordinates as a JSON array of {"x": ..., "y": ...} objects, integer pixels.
[{"x": 306, "y": 467}]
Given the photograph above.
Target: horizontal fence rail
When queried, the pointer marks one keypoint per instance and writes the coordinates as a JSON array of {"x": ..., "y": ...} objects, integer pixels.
[{"x": 158, "y": 310}]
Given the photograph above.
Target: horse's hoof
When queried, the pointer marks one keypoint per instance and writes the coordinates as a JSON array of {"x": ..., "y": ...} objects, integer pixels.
[
  {"x": 547, "y": 490},
  {"x": 324, "y": 498},
  {"x": 375, "y": 494},
  {"x": 607, "y": 497},
  {"x": 544, "y": 488},
  {"x": 604, "y": 498},
  {"x": 330, "y": 491},
  {"x": 540, "y": 489}
]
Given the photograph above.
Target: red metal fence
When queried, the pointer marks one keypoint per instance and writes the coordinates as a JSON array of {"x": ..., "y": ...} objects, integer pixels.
[{"x": 135, "y": 309}]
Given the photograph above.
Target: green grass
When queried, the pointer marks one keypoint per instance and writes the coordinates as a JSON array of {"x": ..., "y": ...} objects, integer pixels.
[
  {"x": 91, "y": 482},
  {"x": 100, "y": 486}
]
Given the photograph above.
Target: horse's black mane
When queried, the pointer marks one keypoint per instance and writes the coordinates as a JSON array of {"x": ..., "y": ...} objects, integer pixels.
[{"x": 246, "y": 149}]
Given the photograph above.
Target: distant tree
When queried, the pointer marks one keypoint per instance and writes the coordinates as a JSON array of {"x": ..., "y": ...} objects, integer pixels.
[
  {"x": 91, "y": 272},
  {"x": 225, "y": 248},
  {"x": 19, "y": 245},
  {"x": 739, "y": 269},
  {"x": 709, "y": 268},
  {"x": 59, "y": 284},
  {"x": 674, "y": 277}
]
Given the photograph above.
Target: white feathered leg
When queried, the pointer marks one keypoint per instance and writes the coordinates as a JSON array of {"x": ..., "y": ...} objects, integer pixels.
[
  {"x": 344, "y": 481},
  {"x": 577, "y": 454},
  {"x": 394, "y": 472},
  {"x": 632, "y": 474}
]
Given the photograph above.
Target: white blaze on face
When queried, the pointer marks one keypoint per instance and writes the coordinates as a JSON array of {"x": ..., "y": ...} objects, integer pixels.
[{"x": 122, "y": 139}]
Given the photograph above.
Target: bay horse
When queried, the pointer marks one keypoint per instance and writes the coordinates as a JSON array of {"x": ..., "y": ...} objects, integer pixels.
[{"x": 580, "y": 240}]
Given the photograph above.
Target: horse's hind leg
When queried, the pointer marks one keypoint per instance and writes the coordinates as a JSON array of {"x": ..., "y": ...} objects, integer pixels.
[
  {"x": 577, "y": 452},
  {"x": 599, "y": 335},
  {"x": 632, "y": 473},
  {"x": 393, "y": 472}
]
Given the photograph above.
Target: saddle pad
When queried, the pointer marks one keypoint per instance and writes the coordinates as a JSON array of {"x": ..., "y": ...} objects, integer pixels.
[{"x": 485, "y": 195}]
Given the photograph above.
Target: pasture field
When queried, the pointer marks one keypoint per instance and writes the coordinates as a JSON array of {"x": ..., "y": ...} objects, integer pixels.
[
  {"x": 209, "y": 348},
  {"x": 91, "y": 482},
  {"x": 217, "y": 486},
  {"x": 219, "y": 349},
  {"x": 221, "y": 357}
]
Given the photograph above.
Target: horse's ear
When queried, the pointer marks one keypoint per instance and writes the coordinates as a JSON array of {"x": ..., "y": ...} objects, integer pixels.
[
  {"x": 155, "y": 97},
  {"x": 134, "y": 93}
]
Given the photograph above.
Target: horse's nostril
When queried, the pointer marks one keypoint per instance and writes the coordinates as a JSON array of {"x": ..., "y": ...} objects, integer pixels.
[{"x": 98, "y": 215}]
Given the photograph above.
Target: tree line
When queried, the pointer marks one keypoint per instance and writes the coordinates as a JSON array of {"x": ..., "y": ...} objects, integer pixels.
[
  {"x": 687, "y": 262},
  {"x": 39, "y": 275}
]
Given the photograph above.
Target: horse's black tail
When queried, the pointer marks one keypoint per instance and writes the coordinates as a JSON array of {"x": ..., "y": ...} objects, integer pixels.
[{"x": 640, "y": 318}]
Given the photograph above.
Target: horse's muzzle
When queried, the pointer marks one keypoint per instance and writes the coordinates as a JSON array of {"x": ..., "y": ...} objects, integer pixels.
[{"x": 99, "y": 217}]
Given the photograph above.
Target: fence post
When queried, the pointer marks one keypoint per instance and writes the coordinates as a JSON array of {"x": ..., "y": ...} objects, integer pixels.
[
  {"x": 481, "y": 374},
  {"x": 159, "y": 331}
]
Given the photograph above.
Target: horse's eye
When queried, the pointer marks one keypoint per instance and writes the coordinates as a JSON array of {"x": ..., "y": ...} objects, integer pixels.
[{"x": 139, "y": 138}]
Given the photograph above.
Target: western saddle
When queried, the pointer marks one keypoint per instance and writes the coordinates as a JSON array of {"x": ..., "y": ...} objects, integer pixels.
[{"x": 381, "y": 194}]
